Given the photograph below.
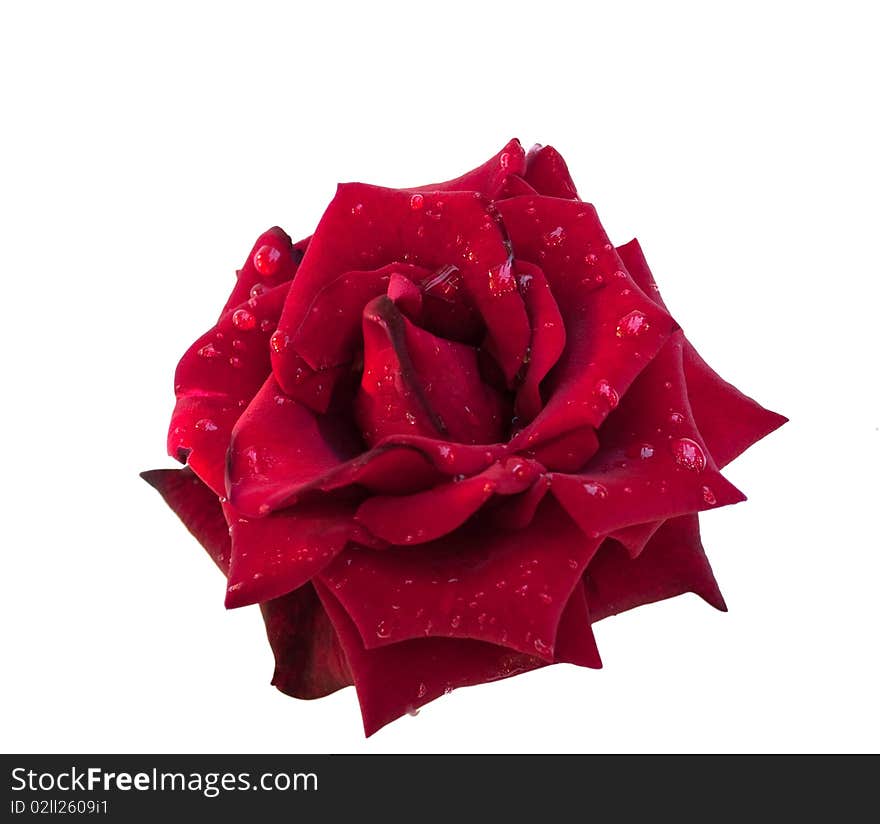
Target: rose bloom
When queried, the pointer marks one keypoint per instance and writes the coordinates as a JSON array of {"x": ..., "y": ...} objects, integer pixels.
[{"x": 442, "y": 436}]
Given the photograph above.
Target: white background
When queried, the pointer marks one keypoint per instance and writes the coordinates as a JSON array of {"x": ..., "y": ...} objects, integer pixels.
[{"x": 145, "y": 146}]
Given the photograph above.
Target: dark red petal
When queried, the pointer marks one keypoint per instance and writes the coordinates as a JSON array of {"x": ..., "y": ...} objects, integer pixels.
[
  {"x": 216, "y": 379},
  {"x": 309, "y": 661},
  {"x": 274, "y": 555},
  {"x": 634, "y": 538},
  {"x": 416, "y": 383},
  {"x": 575, "y": 643},
  {"x": 518, "y": 511},
  {"x": 729, "y": 421},
  {"x": 569, "y": 452},
  {"x": 547, "y": 337},
  {"x": 400, "y": 678},
  {"x": 366, "y": 227},
  {"x": 672, "y": 563},
  {"x": 514, "y": 186},
  {"x": 426, "y": 516},
  {"x": 652, "y": 463},
  {"x": 596, "y": 297},
  {"x": 548, "y": 174},
  {"x": 283, "y": 267},
  {"x": 506, "y": 587},
  {"x": 197, "y": 506},
  {"x": 487, "y": 179},
  {"x": 278, "y": 445},
  {"x": 330, "y": 334}
]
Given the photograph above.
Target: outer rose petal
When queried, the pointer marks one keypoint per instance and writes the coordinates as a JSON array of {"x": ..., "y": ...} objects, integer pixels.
[
  {"x": 638, "y": 475},
  {"x": 309, "y": 662},
  {"x": 595, "y": 295},
  {"x": 399, "y": 678},
  {"x": 273, "y": 555},
  {"x": 416, "y": 383},
  {"x": 672, "y": 563},
  {"x": 215, "y": 380},
  {"x": 366, "y": 226},
  {"x": 283, "y": 267},
  {"x": 505, "y": 587},
  {"x": 575, "y": 643},
  {"x": 729, "y": 421},
  {"x": 488, "y": 179},
  {"x": 547, "y": 173}
]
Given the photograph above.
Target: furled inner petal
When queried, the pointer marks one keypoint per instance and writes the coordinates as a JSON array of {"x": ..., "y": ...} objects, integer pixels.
[
  {"x": 216, "y": 379},
  {"x": 416, "y": 383},
  {"x": 547, "y": 338},
  {"x": 672, "y": 563},
  {"x": 367, "y": 227},
  {"x": 506, "y": 587},
  {"x": 612, "y": 328}
]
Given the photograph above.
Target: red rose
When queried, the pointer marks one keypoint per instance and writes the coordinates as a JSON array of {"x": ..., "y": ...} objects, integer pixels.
[{"x": 442, "y": 436}]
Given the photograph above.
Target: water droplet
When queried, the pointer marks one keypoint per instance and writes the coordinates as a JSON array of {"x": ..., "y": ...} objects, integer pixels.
[
  {"x": 643, "y": 451},
  {"x": 554, "y": 237},
  {"x": 504, "y": 160},
  {"x": 239, "y": 345},
  {"x": 572, "y": 563},
  {"x": 501, "y": 280},
  {"x": 382, "y": 630},
  {"x": 267, "y": 260},
  {"x": 667, "y": 385},
  {"x": 688, "y": 454},
  {"x": 266, "y": 325},
  {"x": 256, "y": 290},
  {"x": 235, "y": 362},
  {"x": 456, "y": 621},
  {"x": 206, "y": 425},
  {"x": 596, "y": 489},
  {"x": 606, "y": 391},
  {"x": 709, "y": 496},
  {"x": 357, "y": 209},
  {"x": 412, "y": 711},
  {"x": 416, "y": 202},
  {"x": 676, "y": 418},
  {"x": 209, "y": 351},
  {"x": 591, "y": 259},
  {"x": 244, "y": 320},
  {"x": 546, "y": 598},
  {"x": 410, "y": 419},
  {"x": 264, "y": 509},
  {"x": 542, "y": 648},
  {"x": 632, "y": 324},
  {"x": 278, "y": 341},
  {"x": 422, "y": 691}
]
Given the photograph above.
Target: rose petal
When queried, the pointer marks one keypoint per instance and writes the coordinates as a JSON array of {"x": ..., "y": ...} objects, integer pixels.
[
  {"x": 729, "y": 421},
  {"x": 216, "y": 378},
  {"x": 489, "y": 178},
  {"x": 503, "y": 587},
  {"x": 595, "y": 296},
  {"x": 416, "y": 383},
  {"x": 426, "y": 516},
  {"x": 330, "y": 334},
  {"x": 518, "y": 511},
  {"x": 569, "y": 452},
  {"x": 366, "y": 227},
  {"x": 274, "y": 555},
  {"x": 279, "y": 445},
  {"x": 634, "y": 538},
  {"x": 672, "y": 563},
  {"x": 283, "y": 267},
  {"x": 309, "y": 661},
  {"x": 575, "y": 643},
  {"x": 547, "y": 338},
  {"x": 640, "y": 473},
  {"x": 197, "y": 506},
  {"x": 400, "y": 678},
  {"x": 547, "y": 173}
]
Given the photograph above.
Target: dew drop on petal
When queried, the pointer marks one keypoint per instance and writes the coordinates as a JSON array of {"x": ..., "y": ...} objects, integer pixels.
[
  {"x": 357, "y": 209},
  {"x": 554, "y": 237},
  {"x": 688, "y": 454},
  {"x": 541, "y": 647},
  {"x": 256, "y": 290},
  {"x": 504, "y": 160},
  {"x": 709, "y": 496},
  {"x": 596, "y": 489},
  {"x": 606, "y": 391},
  {"x": 643, "y": 451},
  {"x": 382, "y": 630},
  {"x": 235, "y": 362},
  {"x": 676, "y": 418},
  {"x": 416, "y": 202},
  {"x": 209, "y": 351},
  {"x": 278, "y": 341},
  {"x": 244, "y": 320},
  {"x": 422, "y": 691},
  {"x": 632, "y": 324},
  {"x": 267, "y": 260},
  {"x": 266, "y": 325},
  {"x": 206, "y": 425}
]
